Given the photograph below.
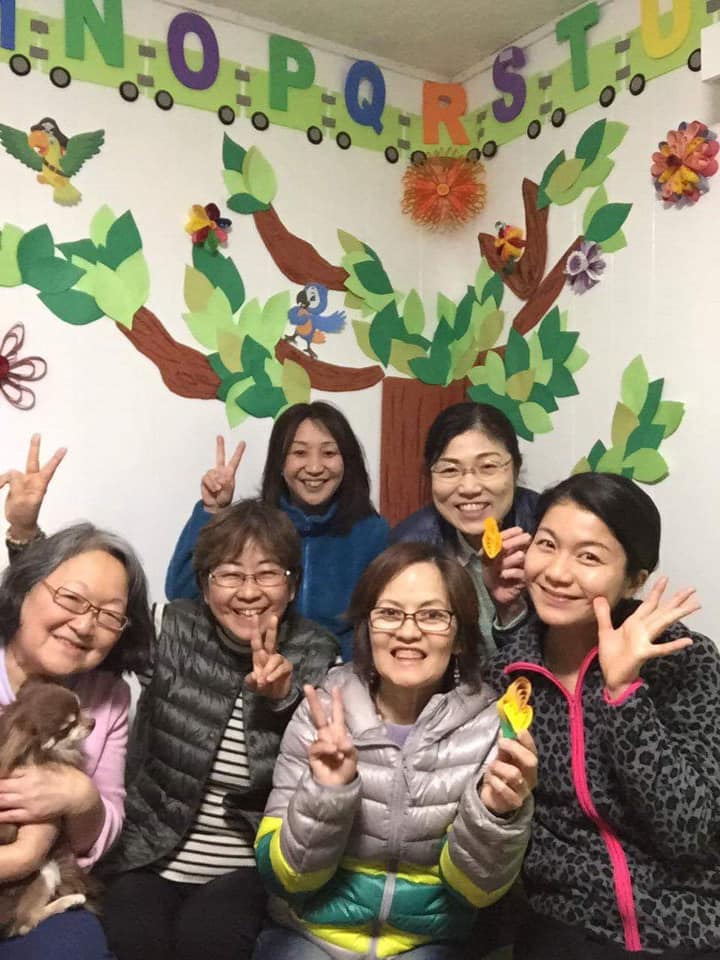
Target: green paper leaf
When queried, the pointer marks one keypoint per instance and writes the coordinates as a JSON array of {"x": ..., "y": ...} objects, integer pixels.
[
  {"x": 113, "y": 297},
  {"x": 634, "y": 386},
  {"x": 652, "y": 399},
  {"x": 590, "y": 142},
  {"x": 245, "y": 203},
  {"x": 250, "y": 317},
  {"x": 607, "y": 221},
  {"x": 614, "y": 243},
  {"x": 402, "y": 353},
  {"x": 10, "y": 275},
  {"x": 435, "y": 368},
  {"x": 36, "y": 244},
  {"x": 135, "y": 276},
  {"x": 542, "y": 395},
  {"x": 613, "y": 136},
  {"x": 669, "y": 415},
  {"x": 577, "y": 359},
  {"x": 535, "y": 418},
  {"x": 495, "y": 373},
  {"x": 446, "y": 309},
  {"x": 648, "y": 466},
  {"x": 235, "y": 413},
  {"x": 623, "y": 423},
  {"x": 221, "y": 272},
  {"x": 206, "y": 324},
  {"x": 517, "y": 353},
  {"x": 596, "y": 173},
  {"x": 253, "y": 359},
  {"x": 235, "y": 182},
  {"x": 229, "y": 345},
  {"x": 488, "y": 329},
  {"x": 493, "y": 288},
  {"x": 596, "y": 453},
  {"x": 259, "y": 176},
  {"x": 197, "y": 290},
  {"x": 372, "y": 276},
  {"x": 582, "y": 466},
  {"x": 73, "y": 307},
  {"x": 274, "y": 320},
  {"x": 611, "y": 461},
  {"x": 362, "y": 335},
  {"x": 561, "y": 383},
  {"x": 85, "y": 249},
  {"x": 51, "y": 274},
  {"x": 564, "y": 177},
  {"x": 646, "y": 436},
  {"x": 100, "y": 225},
  {"x": 384, "y": 327},
  {"x": 520, "y": 384},
  {"x": 482, "y": 276},
  {"x": 122, "y": 241},
  {"x": 295, "y": 383},
  {"x": 233, "y": 155},
  {"x": 349, "y": 243},
  {"x": 464, "y": 313},
  {"x": 414, "y": 313},
  {"x": 543, "y": 199},
  {"x": 596, "y": 201},
  {"x": 262, "y": 401},
  {"x": 543, "y": 372}
]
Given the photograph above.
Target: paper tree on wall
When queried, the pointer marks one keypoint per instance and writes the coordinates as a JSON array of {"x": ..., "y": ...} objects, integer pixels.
[{"x": 256, "y": 372}]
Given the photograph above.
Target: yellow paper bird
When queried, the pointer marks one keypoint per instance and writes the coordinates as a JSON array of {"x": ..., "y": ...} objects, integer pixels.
[
  {"x": 57, "y": 158},
  {"x": 515, "y": 712}
]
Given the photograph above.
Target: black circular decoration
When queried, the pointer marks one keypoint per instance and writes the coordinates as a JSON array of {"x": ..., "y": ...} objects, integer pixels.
[
  {"x": 226, "y": 114},
  {"x": 315, "y": 135},
  {"x": 473, "y": 155},
  {"x": 60, "y": 77},
  {"x": 164, "y": 100},
  {"x": 533, "y": 129},
  {"x": 418, "y": 156},
  {"x": 392, "y": 154},
  {"x": 343, "y": 140},
  {"x": 129, "y": 91},
  {"x": 694, "y": 61},
  {"x": 260, "y": 120},
  {"x": 637, "y": 84},
  {"x": 490, "y": 149},
  {"x": 607, "y": 95},
  {"x": 558, "y": 117},
  {"x": 20, "y": 65}
]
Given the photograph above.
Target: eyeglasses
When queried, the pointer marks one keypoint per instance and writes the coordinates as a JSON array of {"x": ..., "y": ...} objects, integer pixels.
[
  {"x": 79, "y": 605},
  {"x": 447, "y": 472},
  {"x": 428, "y": 620},
  {"x": 234, "y": 580}
]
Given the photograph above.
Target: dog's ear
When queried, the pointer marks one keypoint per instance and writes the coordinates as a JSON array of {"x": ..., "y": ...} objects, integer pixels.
[{"x": 14, "y": 747}]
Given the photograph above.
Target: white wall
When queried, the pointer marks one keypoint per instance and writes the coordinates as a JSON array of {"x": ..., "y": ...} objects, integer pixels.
[{"x": 136, "y": 451}]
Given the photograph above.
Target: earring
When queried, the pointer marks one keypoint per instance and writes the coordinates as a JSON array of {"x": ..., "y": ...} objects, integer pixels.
[
  {"x": 374, "y": 678},
  {"x": 456, "y": 670}
]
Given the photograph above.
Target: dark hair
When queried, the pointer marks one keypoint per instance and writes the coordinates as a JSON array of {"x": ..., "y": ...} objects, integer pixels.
[
  {"x": 461, "y": 417},
  {"x": 625, "y": 509},
  {"x": 461, "y": 594},
  {"x": 39, "y": 559},
  {"x": 353, "y": 495},
  {"x": 224, "y": 538}
]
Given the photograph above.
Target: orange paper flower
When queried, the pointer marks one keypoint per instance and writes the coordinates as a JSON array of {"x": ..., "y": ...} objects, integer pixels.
[{"x": 443, "y": 191}]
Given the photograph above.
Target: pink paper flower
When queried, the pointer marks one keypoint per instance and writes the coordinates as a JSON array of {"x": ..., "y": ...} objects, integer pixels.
[
  {"x": 584, "y": 267},
  {"x": 16, "y": 371},
  {"x": 684, "y": 163}
]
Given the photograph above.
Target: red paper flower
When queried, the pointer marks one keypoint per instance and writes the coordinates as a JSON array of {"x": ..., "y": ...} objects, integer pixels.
[
  {"x": 443, "y": 191},
  {"x": 684, "y": 162},
  {"x": 16, "y": 371}
]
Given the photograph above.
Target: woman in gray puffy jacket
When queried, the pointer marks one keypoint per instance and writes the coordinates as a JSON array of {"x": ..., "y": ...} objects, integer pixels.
[{"x": 395, "y": 812}]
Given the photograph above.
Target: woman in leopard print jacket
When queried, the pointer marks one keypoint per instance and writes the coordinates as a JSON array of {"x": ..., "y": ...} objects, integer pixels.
[{"x": 624, "y": 860}]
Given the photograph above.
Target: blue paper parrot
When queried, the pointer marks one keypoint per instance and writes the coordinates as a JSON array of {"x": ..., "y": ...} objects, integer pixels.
[{"x": 308, "y": 317}]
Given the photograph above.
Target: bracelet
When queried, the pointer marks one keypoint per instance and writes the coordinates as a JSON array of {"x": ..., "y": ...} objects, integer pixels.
[{"x": 12, "y": 542}]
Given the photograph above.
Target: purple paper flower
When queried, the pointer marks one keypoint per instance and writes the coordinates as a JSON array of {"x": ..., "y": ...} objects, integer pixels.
[
  {"x": 584, "y": 266},
  {"x": 15, "y": 371}
]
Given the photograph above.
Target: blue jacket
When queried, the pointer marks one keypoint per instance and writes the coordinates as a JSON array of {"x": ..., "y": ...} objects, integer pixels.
[
  {"x": 332, "y": 564},
  {"x": 428, "y": 526}
]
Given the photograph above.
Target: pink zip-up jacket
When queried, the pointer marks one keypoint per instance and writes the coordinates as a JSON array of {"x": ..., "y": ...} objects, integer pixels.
[
  {"x": 626, "y": 833},
  {"x": 106, "y": 698}
]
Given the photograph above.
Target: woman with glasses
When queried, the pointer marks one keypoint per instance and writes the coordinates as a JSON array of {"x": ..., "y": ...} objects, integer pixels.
[
  {"x": 73, "y": 609},
  {"x": 315, "y": 473},
  {"x": 473, "y": 462},
  {"x": 395, "y": 812}
]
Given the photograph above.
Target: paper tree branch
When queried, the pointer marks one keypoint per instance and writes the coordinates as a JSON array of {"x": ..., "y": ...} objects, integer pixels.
[
  {"x": 296, "y": 258},
  {"x": 330, "y": 376}
]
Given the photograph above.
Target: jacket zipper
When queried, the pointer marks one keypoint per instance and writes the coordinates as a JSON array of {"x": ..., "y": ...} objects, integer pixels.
[{"x": 622, "y": 878}]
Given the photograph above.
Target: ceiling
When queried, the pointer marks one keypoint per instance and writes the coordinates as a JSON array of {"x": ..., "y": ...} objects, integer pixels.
[{"x": 444, "y": 39}]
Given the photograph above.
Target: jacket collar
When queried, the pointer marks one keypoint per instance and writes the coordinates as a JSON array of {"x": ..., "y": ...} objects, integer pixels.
[{"x": 309, "y": 523}]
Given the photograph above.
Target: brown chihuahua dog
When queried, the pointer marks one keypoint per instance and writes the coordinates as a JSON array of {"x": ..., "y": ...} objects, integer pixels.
[{"x": 44, "y": 725}]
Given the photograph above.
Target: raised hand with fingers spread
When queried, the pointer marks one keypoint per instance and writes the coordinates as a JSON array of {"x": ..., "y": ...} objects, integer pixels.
[
  {"x": 623, "y": 651},
  {"x": 27, "y": 489},
  {"x": 272, "y": 673},
  {"x": 333, "y": 757},
  {"x": 218, "y": 484}
]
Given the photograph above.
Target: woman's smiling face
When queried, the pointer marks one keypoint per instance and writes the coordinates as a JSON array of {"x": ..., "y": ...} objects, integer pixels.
[{"x": 314, "y": 468}]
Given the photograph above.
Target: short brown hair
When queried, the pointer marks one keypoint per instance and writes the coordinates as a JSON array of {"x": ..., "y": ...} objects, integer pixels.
[
  {"x": 461, "y": 594},
  {"x": 225, "y": 537}
]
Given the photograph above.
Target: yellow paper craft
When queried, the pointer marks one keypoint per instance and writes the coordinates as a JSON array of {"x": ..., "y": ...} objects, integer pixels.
[
  {"x": 515, "y": 712},
  {"x": 491, "y": 539}
]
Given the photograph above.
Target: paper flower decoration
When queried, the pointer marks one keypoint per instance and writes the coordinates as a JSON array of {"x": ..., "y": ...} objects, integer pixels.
[
  {"x": 207, "y": 228},
  {"x": 684, "y": 162},
  {"x": 514, "y": 710},
  {"x": 443, "y": 191},
  {"x": 510, "y": 242},
  {"x": 491, "y": 538},
  {"x": 584, "y": 266},
  {"x": 16, "y": 371}
]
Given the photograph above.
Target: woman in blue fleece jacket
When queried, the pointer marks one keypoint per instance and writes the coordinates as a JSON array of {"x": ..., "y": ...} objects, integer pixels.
[{"x": 315, "y": 471}]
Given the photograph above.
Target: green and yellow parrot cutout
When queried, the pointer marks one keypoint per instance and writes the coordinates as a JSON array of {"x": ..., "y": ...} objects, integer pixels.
[{"x": 55, "y": 156}]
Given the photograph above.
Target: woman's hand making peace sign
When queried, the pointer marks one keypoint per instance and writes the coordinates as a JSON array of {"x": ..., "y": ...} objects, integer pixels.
[
  {"x": 333, "y": 757},
  {"x": 26, "y": 491},
  {"x": 272, "y": 673},
  {"x": 218, "y": 484}
]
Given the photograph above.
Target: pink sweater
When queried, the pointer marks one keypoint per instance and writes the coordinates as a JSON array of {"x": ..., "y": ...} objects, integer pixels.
[{"x": 106, "y": 698}]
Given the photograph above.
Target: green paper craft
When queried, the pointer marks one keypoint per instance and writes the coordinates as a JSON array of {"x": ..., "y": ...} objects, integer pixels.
[
  {"x": 72, "y": 306},
  {"x": 590, "y": 142},
  {"x": 106, "y": 32},
  {"x": 246, "y": 204},
  {"x": 197, "y": 290},
  {"x": 414, "y": 313},
  {"x": 10, "y": 274},
  {"x": 221, "y": 272},
  {"x": 259, "y": 176},
  {"x": 233, "y": 155},
  {"x": 100, "y": 225},
  {"x": 634, "y": 386},
  {"x": 606, "y": 222}
]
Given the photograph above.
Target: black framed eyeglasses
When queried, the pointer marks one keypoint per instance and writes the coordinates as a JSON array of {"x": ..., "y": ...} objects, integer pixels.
[
  {"x": 233, "y": 580},
  {"x": 79, "y": 605},
  {"x": 428, "y": 620}
]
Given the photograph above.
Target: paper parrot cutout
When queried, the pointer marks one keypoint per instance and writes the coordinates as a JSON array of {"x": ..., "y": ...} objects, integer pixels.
[
  {"x": 309, "y": 317},
  {"x": 57, "y": 157}
]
